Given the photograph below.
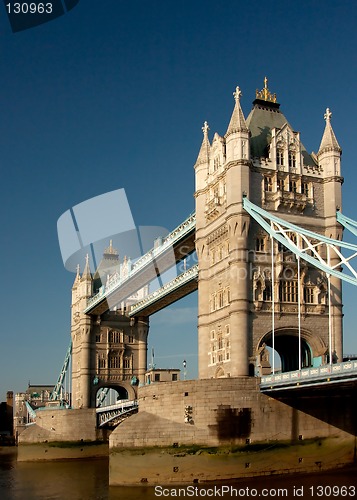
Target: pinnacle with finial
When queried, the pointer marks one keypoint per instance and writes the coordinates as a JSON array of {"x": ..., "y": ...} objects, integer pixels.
[
  {"x": 205, "y": 129},
  {"x": 327, "y": 115},
  {"x": 237, "y": 94}
]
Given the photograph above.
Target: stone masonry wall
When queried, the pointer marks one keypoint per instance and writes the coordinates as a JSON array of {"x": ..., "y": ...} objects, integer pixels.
[
  {"x": 214, "y": 412},
  {"x": 61, "y": 425}
]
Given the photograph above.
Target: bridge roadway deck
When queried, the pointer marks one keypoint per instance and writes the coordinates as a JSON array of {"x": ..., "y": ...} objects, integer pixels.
[
  {"x": 175, "y": 247},
  {"x": 320, "y": 377}
]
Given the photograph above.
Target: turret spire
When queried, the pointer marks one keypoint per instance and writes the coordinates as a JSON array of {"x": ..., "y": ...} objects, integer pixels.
[
  {"x": 86, "y": 272},
  {"x": 78, "y": 277},
  {"x": 203, "y": 155},
  {"x": 329, "y": 141},
  {"x": 237, "y": 123}
]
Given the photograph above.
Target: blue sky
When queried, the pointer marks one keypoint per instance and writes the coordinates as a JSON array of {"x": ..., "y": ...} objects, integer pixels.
[{"x": 114, "y": 95}]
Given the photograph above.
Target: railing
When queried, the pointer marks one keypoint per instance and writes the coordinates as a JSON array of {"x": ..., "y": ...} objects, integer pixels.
[
  {"x": 108, "y": 413},
  {"x": 185, "y": 227},
  {"x": 169, "y": 287},
  {"x": 30, "y": 410},
  {"x": 321, "y": 374}
]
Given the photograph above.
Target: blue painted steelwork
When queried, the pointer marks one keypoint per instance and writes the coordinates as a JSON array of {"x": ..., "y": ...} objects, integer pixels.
[
  {"x": 280, "y": 230},
  {"x": 56, "y": 393},
  {"x": 325, "y": 374},
  {"x": 346, "y": 222},
  {"x": 102, "y": 394}
]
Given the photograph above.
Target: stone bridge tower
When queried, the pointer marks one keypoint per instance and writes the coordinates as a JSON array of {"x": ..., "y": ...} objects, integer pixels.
[
  {"x": 110, "y": 350},
  {"x": 263, "y": 158}
]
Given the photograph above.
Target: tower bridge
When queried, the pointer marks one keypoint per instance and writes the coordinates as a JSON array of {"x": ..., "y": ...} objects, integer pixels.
[
  {"x": 259, "y": 285},
  {"x": 269, "y": 261}
]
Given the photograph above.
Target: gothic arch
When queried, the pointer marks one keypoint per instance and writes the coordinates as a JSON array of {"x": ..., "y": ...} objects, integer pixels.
[
  {"x": 219, "y": 373},
  {"x": 124, "y": 390},
  {"x": 286, "y": 340}
]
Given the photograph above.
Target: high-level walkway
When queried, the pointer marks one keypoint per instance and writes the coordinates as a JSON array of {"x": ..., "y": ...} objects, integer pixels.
[{"x": 174, "y": 248}]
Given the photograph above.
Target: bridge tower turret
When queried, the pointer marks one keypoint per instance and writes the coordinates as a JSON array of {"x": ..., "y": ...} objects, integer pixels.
[
  {"x": 222, "y": 249},
  {"x": 82, "y": 343},
  {"x": 329, "y": 161}
]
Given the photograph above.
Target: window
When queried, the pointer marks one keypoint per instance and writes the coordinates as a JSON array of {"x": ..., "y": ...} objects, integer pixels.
[
  {"x": 220, "y": 298},
  {"x": 113, "y": 361},
  {"x": 127, "y": 363},
  {"x": 174, "y": 377},
  {"x": 101, "y": 362},
  {"x": 114, "y": 337},
  {"x": 267, "y": 291},
  {"x": 212, "y": 334},
  {"x": 213, "y": 256},
  {"x": 227, "y": 329},
  {"x": 305, "y": 188},
  {"x": 213, "y": 302},
  {"x": 280, "y": 157},
  {"x": 157, "y": 377},
  {"x": 98, "y": 338},
  {"x": 292, "y": 159},
  {"x": 131, "y": 339},
  {"x": 288, "y": 291},
  {"x": 280, "y": 184},
  {"x": 308, "y": 295},
  {"x": 268, "y": 184},
  {"x": 215, "y": 164},
  {"x": 220, "y": 343},
  {"x": 281, "y": 247},
  {"x": 292, "y": 187},
  {"x": 259, "y": 244}
]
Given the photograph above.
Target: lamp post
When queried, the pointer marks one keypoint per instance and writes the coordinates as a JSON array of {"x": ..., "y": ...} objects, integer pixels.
[{"x": 184, "y": 369}]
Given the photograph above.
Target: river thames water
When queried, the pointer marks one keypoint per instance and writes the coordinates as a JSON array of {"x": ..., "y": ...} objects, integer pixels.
[{"x": 88, "y": 479}]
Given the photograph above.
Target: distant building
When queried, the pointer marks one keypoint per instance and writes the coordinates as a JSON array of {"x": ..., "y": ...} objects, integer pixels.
[
  {"x": 36, "y": 396},
  {"x": 6, "y": 419},
  {"x": 162, "y": 375},
  {"x": 349, "y": 357}
]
